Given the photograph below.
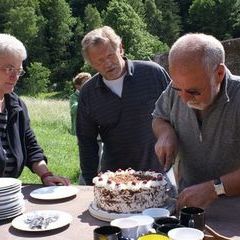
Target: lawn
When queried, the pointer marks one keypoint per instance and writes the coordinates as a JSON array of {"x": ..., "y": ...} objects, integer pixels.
[{"x": 50, "y": 121}]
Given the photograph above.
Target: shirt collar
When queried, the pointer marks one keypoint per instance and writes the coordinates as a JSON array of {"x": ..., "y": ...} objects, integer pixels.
[
  {"x": 225, "y": 88},
  {"x": 130, "y": 71}
]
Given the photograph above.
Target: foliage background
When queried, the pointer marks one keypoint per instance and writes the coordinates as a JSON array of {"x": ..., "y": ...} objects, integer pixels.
[{"x": 52, "y": 30}]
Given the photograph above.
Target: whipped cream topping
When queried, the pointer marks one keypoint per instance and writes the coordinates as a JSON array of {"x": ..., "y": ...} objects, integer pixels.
[{"x": 129, "y": 179}]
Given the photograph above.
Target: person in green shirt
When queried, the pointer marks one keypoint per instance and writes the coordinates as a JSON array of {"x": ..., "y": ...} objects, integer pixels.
[{"x": 78, "y": 81}]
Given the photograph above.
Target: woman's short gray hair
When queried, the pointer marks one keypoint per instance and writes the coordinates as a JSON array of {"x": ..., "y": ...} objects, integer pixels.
[
  {"x": 100, "y": 35},
  {"x": 9, "y": 45}
]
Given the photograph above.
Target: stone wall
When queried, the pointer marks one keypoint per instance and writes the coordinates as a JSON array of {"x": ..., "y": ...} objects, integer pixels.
[{"x": 232, "y": 49}]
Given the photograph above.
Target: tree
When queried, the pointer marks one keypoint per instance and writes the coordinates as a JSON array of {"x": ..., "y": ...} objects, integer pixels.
[
  {"x": 217, "y": 17},
  {"x": 76, "y": 59},
  {"x": 235, "y": 17},
  {"x": 37, "y": 80},
  {"x": 5, "y": 6},
  {"x": 22, "y": 19},
  {"x": 58, "y": 34},
  {"x": 138, "y": 42},
  {"x": 92, "y": 18},
  {"x": 153, "y": 18},
  {"x": 170, "y": 27},
  {"x": 78, "y": 6},
  {"x": 184, "y": 6},
  {"x": 22, "y": 22},
  {"x": 138, "y": 7}
]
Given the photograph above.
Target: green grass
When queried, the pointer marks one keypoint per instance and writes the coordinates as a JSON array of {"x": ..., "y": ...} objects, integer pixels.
[{"x": 50, "y": 121}]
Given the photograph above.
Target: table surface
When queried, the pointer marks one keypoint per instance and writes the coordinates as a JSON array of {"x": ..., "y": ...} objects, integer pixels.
[{"x": 223, "y": 216}]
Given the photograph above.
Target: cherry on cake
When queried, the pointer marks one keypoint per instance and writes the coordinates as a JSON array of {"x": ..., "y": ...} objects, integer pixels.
[{"x": 129, "y": 191}]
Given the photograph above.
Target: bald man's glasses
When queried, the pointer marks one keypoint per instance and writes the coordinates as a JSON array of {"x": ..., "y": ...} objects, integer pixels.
[{"x": 191, "y": 92}]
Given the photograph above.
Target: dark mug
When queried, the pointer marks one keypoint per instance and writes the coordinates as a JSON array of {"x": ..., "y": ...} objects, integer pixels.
[
  {"x": 107, "y": 233},
  {"x": 165, "y": 228},
  {"x": 193, "y": 217},
  {"x": 165, "y": 220}
]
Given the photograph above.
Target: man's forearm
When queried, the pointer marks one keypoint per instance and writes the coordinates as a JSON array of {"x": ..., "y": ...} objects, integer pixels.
[
  {"x": 231, "y": 183},
  {"x": 161, "y": 126},
  {"x": 40, "y": 167}
]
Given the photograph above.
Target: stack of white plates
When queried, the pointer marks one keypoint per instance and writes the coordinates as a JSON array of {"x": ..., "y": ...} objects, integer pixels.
[{"x": 11, "y": 198}]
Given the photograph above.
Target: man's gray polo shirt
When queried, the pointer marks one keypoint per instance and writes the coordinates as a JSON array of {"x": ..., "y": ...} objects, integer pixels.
[{"x": 213, "y": 149}]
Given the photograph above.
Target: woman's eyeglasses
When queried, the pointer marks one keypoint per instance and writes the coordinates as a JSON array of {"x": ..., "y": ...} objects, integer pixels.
[{"x": 13, "y": 71}]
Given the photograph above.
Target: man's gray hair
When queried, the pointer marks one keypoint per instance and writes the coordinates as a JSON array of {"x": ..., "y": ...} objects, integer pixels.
[
  {"x": 100, "y": 35},
  {"x": 199, "y": 47},
  {"x": 9, "y": 45}
]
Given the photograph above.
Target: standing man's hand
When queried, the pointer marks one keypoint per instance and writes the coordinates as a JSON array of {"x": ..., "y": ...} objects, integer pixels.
[
  {"x": 166, "y": 146},
  {"x": 199, "y": 195}
]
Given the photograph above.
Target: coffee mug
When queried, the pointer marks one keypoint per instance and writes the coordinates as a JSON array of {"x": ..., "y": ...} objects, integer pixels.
[
  {"x": 165, "y": 220},
  {"x": 185, "y": 233},
  {"x": 153, "y": 236},
  {"x": 192, "y": 217},
  {"x": 129, "y": 227},
  {"x": 107, "y": 233},
  {"x": 165, "y": 228}
]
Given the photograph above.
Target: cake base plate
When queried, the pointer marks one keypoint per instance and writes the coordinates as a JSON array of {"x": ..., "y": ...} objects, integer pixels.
[{"x": 109, "y": 216}]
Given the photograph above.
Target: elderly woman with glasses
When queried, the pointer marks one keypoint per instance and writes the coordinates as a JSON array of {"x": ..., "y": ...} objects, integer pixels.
[{"x": 18, "y": 145}]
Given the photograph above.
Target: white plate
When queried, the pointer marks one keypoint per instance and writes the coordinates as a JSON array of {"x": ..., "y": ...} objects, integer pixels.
[
  {"x": 54, "y": 192},
  {"x": 12, "y": 214},
  {"x": 6, "y": 194},
  {"x": 10, "y": 198},
  {"x": 106, "y": 216},
  {"x": 13, "y": 210},
  {"x": 6, "y": 183},
  {"x": 109, "y": 216},
  {"x": 62, "y": 220},
  {"x": 6, "y": 191},
  {"x": 12, "y": 204}
]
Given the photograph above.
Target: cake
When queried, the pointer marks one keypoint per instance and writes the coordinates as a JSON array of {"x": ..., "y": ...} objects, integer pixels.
[{"x": 129, "y": 191}]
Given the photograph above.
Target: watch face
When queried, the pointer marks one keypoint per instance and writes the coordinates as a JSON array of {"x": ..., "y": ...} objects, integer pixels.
[
  {"x": 219, "y": 188},
  {"x": 217, "y": 181}
]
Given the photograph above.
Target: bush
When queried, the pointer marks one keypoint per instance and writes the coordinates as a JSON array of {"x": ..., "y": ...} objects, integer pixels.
[
  {"x": 68, "y": 89},
  {"x": 38, "y": 79}
]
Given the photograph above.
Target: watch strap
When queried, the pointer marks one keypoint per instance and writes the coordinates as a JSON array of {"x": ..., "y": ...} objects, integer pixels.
[{"x": 218, "y": 186}]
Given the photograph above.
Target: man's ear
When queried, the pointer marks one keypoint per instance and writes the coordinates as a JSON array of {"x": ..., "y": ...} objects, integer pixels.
[
  {"x": 121, "y": 47},
  {"x": 220, "y": 71}
]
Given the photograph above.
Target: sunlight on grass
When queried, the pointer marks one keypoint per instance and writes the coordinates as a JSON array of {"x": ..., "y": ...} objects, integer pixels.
[{"x": 50, "y": 121}]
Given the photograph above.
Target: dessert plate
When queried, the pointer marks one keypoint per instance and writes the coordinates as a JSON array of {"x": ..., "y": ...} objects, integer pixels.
[
  {"x": 12, "y": 214},
  {"x": 109, "y": 216},
  {"x": 38, "y": 221},
  {"x": 106, "y": 216},
  {"x": 8, "y": 183},
  {"x": 54, "y": 192}
]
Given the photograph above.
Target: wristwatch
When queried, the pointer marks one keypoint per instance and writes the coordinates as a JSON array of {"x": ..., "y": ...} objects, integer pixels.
[{"x": 219, "y": 188}]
